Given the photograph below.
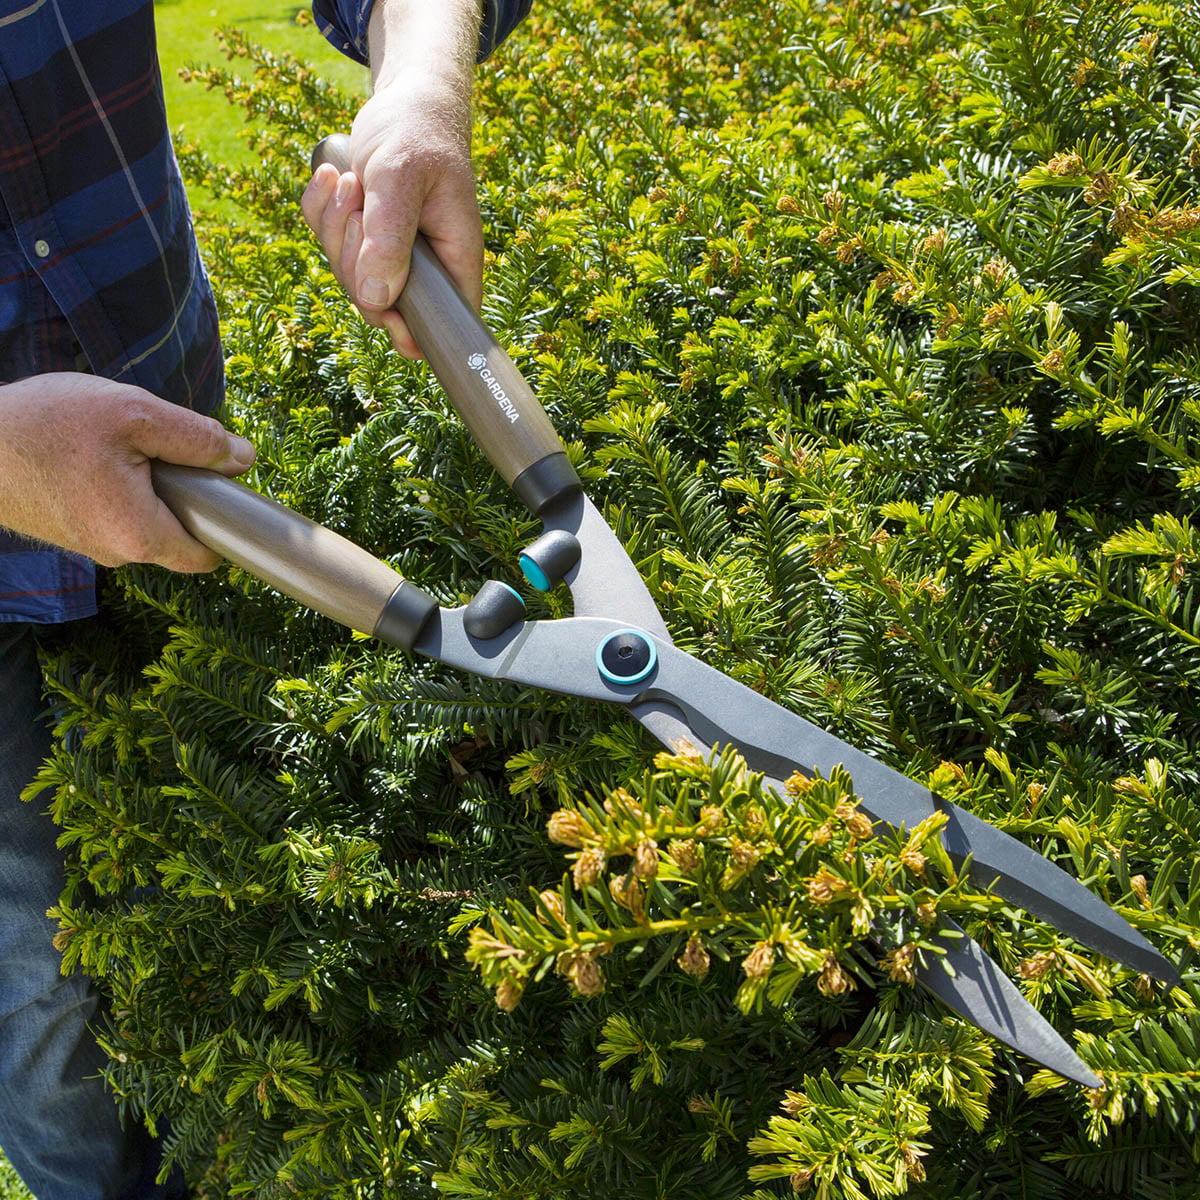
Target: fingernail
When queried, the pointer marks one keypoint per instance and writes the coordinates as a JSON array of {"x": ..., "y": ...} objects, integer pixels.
[
  {"x": 373, "y": 292},
  {"x": 242, "y": 451}
]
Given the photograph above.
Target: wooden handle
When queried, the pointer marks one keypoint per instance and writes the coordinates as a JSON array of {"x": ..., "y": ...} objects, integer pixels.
[
  {"x": 300, "y": 558},
  {"x": 482, "y": 382}
]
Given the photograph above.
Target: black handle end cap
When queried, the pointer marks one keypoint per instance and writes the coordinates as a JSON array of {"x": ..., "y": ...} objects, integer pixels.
[
  {"x": 549, "y": 479},
  {"x": 332, "y": 149},
  {"x": 493, "y": 609}
]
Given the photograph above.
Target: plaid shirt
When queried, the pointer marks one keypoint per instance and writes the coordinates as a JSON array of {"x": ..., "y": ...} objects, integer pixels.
[
  {"x": 344, "y": 23},
  {"x": 98, "y": 259}
]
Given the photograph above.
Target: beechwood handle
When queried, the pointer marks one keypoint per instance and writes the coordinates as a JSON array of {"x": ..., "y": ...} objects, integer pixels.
[
  {"x": 482, "y": 382},
  {"x": 300, "y": 558}
]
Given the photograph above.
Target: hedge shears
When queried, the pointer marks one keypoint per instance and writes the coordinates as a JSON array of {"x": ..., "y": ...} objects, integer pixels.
[{"x": 617, "y": 648}]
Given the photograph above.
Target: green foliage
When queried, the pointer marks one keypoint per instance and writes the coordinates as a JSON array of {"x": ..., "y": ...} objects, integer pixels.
[
  {"x": 719, "y": 866},
  {"x": 874, "y": 328},
  {"x": 202, "y": 115},
  {"x": 11, "y": 1187}
]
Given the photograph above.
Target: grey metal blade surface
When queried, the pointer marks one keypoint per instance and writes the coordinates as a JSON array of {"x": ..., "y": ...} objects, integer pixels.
[
  {"x": 561, "y": 656},
  {"x": 983, "y": 994},
  {"x": 604, "y": 583},
  {"x": 1026, "y": 878},
  {"x": 974, "y": 987},
  {"x": 722, "y": 711}
]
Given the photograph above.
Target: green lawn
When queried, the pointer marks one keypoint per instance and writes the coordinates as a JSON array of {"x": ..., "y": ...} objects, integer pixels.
[
  {"x": 185, "y": 39},
  {"x": 185, "y": 29}
]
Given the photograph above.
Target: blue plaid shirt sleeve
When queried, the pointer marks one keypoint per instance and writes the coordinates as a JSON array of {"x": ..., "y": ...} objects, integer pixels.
[
  {"x": 344, "y": 23},
  {"x": 98, "y": 258}
]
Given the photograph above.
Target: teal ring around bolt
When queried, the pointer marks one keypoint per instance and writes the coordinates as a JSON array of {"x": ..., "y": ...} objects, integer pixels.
[
  {"x": 536, "y": 576},
  {"x": 513, "y": 590},
  {"x": 626, "y": 680}
]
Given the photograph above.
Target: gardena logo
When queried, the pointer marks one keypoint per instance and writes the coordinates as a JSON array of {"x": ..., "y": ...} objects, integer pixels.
[{"x": 478, "y": 364}]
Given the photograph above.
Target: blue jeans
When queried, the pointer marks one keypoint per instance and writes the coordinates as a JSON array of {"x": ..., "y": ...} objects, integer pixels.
[{"x": 59, "y": 1125}]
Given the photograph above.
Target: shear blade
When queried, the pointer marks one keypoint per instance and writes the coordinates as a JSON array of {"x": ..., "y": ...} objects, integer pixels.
[
  {"x": 604, "y": 583},
  {"x": 974, "y": 986},
  {"x": 721, "y": 711},
  {"x": 717, "y": 710},
  {"x": 724, "y": 712},
  {"x": 982, "y": 993},
  {"x": 1024, "y": 877}
]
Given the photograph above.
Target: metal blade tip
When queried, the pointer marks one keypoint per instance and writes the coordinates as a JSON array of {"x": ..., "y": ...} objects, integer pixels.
[
  {"x": 1168, "y": 973},
  {"x": 1080, "y": 1074}
]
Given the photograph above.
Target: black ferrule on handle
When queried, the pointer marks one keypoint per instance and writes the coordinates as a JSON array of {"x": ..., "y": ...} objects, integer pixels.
[{"x": 405, "y": 615}]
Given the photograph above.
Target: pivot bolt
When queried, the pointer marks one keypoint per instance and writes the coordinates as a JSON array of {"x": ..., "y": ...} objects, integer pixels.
[{"x": 625, "y": 657}]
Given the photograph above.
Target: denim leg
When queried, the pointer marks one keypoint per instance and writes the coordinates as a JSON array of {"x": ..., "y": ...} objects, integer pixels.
[{"x": 59, "y": 1125}]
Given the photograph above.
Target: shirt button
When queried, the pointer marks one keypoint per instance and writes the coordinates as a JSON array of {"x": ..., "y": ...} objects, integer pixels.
[{"x": 41, "y": 248}]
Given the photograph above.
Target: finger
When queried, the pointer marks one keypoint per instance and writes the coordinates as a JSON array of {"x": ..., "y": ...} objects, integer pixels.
[
  {"x": 391, "y": 208},
  {"x": 344, "y": 201},
  {"x": 171, "y": 546},
  {"x": 176, "y": 549},
  {"x": 400, "y": 334},
  {"x": 149, "y": 532},
  {"x": 397, "y": 328},
  {"x": 451, "y": 224},
  {"x": 318, "y": 194},
  {"x": 387, "y": 318},
  {"x": 154, "y": 428},
  {"x": 351, "y": 247},
  {"x": 347, "y": 200}
]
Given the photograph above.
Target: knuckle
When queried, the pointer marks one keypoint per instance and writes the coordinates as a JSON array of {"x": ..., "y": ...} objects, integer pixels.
[
  {"x": 390, "y": 166},
  {"x": 430, "y": 154},
  {"x": 310, "y": 211},
  {"x": 189, "y": 557},
  {"x": 210, "y": 437},
  {"x": 109, "y": 557},
  {"x": 391, "y": 244},
  {"x": 403, "y": 175},
  {"x": 133, "y": 417}
]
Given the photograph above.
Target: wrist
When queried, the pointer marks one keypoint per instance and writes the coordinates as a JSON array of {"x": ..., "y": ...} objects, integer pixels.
[{"x": 433, "y": 107}]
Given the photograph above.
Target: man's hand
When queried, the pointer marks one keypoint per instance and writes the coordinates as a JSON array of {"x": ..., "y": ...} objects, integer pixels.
[
  {"x": 410, "y": 160},
  {"x": 75, "y": 456}
]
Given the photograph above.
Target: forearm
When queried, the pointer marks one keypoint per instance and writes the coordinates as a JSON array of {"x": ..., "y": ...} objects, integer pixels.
[{"x": 422, "y": 45}]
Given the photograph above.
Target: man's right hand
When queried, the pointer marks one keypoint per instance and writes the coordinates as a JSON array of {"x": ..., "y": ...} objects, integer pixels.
[
  {"x": 410, "y": 164},
  {"x": 75, "y": 455}
]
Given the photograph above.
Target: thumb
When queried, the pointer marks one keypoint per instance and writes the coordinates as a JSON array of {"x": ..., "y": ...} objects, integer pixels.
[{"x": 159, "y": 429}]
